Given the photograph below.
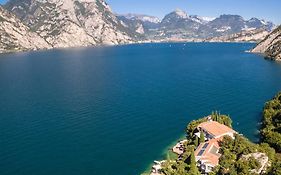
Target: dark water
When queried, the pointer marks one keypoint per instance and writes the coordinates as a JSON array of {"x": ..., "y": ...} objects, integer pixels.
[{"x": 113, "y": 110}]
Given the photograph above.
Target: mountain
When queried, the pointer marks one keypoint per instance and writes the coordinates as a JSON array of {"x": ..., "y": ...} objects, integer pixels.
[
  {"x": 232, "y": 24},
  {"x": 177, "y": 19},
  {"x": 201, "y": 19},
  {"x": 16, "y": 36},
  {"x": 271, "y": 45},
  {"x": 43, "y": 24},
  {"x": 178, "y": 25},
  {"x": 257, "y": 23},
  {"x": 143, "y": 18},
  {"x": 177, "y": 22},
  {"x": 249, "y": 35},
  {"x": 133, "y": 24},
  {"x": 141, "y": 24},
  {"x": 71, "y": 23}
]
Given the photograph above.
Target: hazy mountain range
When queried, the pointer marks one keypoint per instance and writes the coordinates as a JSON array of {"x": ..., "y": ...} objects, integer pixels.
[
  {"x": 44, "y": 24},
  {"x": 178, "y": 24}
]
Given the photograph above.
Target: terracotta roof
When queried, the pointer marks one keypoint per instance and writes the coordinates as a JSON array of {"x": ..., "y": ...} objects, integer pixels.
[
  {"x": 208, "y": 152},
  {"x": 215, "y": 128}
]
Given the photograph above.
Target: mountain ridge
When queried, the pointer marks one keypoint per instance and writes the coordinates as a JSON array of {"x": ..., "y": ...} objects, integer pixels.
[
  {"x": 178, "y": 24},
  {"x": 83, "y": 23},
  {"x": 70, "y": 23},
  {"x": 251, "y": 35}
]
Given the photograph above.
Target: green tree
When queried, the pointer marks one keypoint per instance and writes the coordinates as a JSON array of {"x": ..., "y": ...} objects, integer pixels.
[
  {"x": 196, "y": 142},
  {"x": 271, "y": 129},
  {"x": 193, "y": 165},
  {"x": 276, "y": 169},
  {"x": 192, "y": 126},
  {"x": 227, "y": 162},
  {"x": 202, "y": 137}
]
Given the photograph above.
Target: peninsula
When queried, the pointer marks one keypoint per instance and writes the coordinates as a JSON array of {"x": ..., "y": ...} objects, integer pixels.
[{"x": 212, "y": 147}]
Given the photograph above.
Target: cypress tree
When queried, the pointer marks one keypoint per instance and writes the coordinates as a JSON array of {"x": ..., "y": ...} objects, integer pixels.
[
  {"x": 192, "y": 160},
  {"x": 202, "y": 137},
  {"x": 216, "y": 116},
  {"x": 196, "y": 141},
  {"x": 193, "y": 167},
  {"x": 213, "y": 116}
]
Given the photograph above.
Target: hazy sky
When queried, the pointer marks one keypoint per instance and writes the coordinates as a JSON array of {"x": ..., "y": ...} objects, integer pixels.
[{"x": 265, "y": 9}]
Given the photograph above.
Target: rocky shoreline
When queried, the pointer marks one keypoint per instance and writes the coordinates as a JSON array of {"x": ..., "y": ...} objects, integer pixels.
[
  {"x": 270, "y": 47},
  {"x": 177, "y": 149}
]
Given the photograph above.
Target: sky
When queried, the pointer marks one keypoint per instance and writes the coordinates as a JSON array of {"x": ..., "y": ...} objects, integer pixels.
[{"x": 263, "y": 9}]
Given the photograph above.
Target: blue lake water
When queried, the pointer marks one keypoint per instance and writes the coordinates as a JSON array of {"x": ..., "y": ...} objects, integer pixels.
[{"x": 113, "y": 110}]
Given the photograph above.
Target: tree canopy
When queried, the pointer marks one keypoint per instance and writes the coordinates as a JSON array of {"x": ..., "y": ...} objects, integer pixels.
[{"x": 271, "y": 129}]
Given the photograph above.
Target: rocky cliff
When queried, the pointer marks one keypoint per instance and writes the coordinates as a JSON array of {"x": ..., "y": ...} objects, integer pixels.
[
  {"x": 271, "y": 45},
  {"x": 16, "y": 36},
  {"x": 71, "y": 23}
]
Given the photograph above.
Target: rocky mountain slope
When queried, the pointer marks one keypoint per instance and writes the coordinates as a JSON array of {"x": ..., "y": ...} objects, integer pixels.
[
  {"x": 230, "y": 24},
  {"x": 140, "y": 24},
  {"x": 71, "y": 23},
  {"x": 251, "y": 35},
  {"x": 43, "y": 24},
  {"x": 16, "y": 36},
  {"x": 179, "y": 25},
  {"x": 271, "y": 45}
]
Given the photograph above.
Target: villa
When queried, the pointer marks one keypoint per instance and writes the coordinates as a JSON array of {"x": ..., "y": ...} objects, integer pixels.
[
  {"x": 207, "y": 154},
  {"x": 214, "y": 130}
]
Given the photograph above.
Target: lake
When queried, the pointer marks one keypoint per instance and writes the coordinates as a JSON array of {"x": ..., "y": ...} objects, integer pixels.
[{"x": 113, "y": 110}]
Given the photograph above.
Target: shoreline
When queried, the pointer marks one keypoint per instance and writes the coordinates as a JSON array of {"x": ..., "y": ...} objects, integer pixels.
[
  {"x": 166, "y": 153},
  {"x": 2, "y": 52},
  {"x": 174, "y": 150}
]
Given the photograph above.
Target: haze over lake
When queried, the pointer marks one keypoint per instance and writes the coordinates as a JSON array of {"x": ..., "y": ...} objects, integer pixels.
[{"x": 81, "y": 111}]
